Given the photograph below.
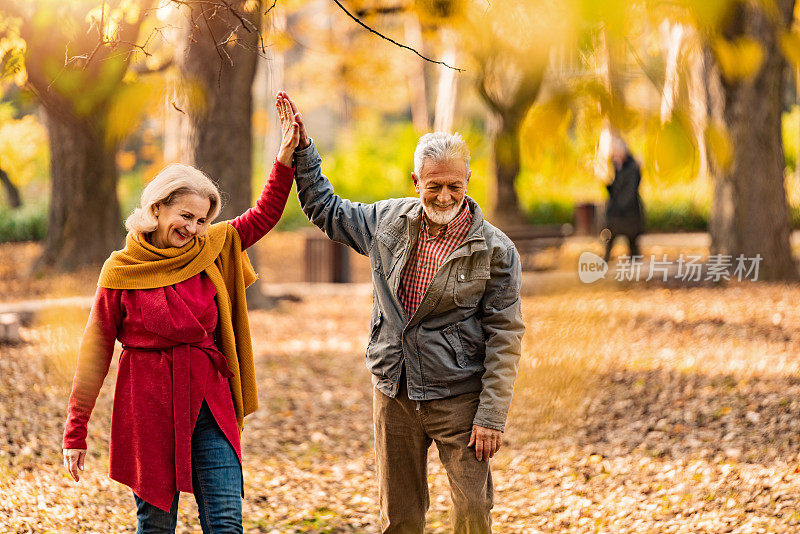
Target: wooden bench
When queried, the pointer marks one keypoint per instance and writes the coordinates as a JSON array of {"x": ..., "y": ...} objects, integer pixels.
[{"x": 531, "y": 241}]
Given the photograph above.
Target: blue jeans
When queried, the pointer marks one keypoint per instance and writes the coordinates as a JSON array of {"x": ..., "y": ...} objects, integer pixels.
[{"x": 217, "y": 483}]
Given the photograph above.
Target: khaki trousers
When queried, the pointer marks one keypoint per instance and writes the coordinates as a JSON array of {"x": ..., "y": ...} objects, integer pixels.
[{"x": 404, "y": 430}]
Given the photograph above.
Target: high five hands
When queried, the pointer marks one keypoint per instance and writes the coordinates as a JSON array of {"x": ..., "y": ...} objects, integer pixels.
[{"x": 293, "y": 130}]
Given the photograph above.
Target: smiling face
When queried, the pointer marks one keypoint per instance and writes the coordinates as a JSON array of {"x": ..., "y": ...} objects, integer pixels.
[
  {"x": 441, "y": 187},
  {"x": 178, "y": 222}
]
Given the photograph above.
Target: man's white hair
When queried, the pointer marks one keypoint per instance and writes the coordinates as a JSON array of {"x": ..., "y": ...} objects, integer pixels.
[{"x": 439, "y": 147}]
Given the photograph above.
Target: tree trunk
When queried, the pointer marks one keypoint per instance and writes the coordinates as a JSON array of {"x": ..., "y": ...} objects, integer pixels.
[
  {"x": 416, "y": 75},
  {"x": 84, "y": 222},
  {"x": 506, "y": 210},
  {"x": 275, "y": 80},
  {"x": 750, "y": 214},
  {"x": 698, "y": 105},
  {"x": 177, "y": 148},
  {"x": 12, "y": 193},
  {"x": 221, "y": 132},
  {"x": 444, "y": 114},
  {"x": 671, "y": 41}
]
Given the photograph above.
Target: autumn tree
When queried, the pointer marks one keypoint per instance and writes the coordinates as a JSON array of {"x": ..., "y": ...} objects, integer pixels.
[
  {"x": 224, "y": 41},
  {"x": 75, "y": 57},
  {"x": 511, "y": 44},
  {"x": 750, "y": 214}
]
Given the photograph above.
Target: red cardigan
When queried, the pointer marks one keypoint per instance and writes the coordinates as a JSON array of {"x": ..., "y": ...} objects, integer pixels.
[{"x": 169, "y": 364}]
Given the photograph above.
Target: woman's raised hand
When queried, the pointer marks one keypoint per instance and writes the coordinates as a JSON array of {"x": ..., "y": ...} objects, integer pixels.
[
  {"x": 298, "y": 118},
  {"x": 290, "y": 130},
  {"x": 73, "y": 462}
]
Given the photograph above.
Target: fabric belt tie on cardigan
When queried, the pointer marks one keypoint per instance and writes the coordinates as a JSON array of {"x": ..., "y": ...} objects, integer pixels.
[{"x": 180, "y": 355}]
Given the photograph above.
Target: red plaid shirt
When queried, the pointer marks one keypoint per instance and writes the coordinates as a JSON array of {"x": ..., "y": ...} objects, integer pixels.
[{"x": 426, "y": 258}]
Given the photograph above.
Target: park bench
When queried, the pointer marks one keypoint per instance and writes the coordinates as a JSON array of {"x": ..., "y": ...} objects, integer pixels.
[{"x": 532, "y": 240}]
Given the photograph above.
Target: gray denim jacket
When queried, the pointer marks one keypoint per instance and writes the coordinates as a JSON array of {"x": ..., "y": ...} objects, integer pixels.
[{"x": 466, "y": 334}]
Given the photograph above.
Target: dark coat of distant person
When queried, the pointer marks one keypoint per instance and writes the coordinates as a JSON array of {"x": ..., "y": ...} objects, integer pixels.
[{"x": 624, "y": 215}]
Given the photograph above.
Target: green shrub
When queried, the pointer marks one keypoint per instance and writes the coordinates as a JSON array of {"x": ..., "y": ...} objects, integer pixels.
[
  {"x": 676, "y": 216},
  {"x": 28, "y": 223}
]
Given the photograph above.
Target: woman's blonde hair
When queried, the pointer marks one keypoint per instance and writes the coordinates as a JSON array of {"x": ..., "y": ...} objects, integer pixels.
[{"x": 173, "y": 181}]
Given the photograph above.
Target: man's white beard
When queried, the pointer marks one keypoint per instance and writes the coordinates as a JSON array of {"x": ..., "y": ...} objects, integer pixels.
[{"x": 438, "y": 216}]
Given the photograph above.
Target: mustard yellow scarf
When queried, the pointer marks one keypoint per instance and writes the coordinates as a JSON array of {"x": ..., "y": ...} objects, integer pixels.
[{"x": 219, "y": 254}]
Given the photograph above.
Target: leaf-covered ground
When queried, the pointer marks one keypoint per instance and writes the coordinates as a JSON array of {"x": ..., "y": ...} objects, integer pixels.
[{"x": 637, "y": 409}]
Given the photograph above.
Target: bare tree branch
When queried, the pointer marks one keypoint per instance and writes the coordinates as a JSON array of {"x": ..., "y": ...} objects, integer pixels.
[
  {"x": 379, "y": 34},
  {"x": 141, "y": 69},
  {"x": 214, "y": 39},
  {"x": 381, "y": 10},
  {"x": 174, "y": 105}
]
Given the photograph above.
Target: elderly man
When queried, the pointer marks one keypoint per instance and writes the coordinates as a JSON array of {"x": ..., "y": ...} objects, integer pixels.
[{"x": 446, "y": 326}]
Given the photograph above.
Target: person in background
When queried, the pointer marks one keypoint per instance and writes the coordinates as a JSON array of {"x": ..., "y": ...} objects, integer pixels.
[
  {"x": 175, "y": 298},
  {"x": 624, "y": 214}
]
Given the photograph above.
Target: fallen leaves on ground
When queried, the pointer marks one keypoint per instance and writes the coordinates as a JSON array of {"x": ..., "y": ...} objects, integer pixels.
[{"x": 638, "y": 409}]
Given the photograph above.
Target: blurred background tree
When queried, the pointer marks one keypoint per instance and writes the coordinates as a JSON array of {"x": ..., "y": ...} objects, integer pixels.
[
  {"x": 746, "y": 89},
  {"x": 73, "y": 58},
  {"x": 223, "y": 43},
  {"x": 698, "y": 89}
]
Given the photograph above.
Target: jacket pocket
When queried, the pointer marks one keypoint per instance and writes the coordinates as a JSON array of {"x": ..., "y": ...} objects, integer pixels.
[
  {"x": 453, "y": 337},
  {"x": 375, "y": 328},
  {"x": 469, "y": 286}
]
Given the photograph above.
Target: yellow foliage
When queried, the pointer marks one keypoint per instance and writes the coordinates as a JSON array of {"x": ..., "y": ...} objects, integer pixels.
[
  {"x": 790, "y": 45},
  {"x": 439, "y": 11},
  {"x": 611, "y": 14},
  {"x": 127, "y": 11},
  {"x": 719, "y": 145},
  {"x": 545, "y": 123},
  {"x": 11, "y": 49},
  {"x": 23, "y": 148},
  {"x": 740, "y": 59},
  {"x": 671, "y": 149},
  {"x": 521, "y": 33},
  {"x": 708, "y": 13},
  {"x": 128, "y": 107},
  {"x": 126, "y": 159}
]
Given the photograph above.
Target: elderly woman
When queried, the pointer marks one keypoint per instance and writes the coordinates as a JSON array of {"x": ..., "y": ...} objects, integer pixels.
[
  {"x": 175, "y": 298},
  {"x": 624, "y": 214}
]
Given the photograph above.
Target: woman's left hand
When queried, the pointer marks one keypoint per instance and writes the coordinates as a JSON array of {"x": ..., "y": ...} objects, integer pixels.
[
  {"x": 290, "y": 131},
  {"x": 73, "y": 462}
]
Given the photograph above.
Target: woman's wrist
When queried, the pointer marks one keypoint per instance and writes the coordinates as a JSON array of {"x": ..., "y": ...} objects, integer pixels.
[{"x": 285, "y": 156}]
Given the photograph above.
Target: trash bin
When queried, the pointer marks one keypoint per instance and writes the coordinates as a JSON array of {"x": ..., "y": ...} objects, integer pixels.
[
  {"x": 326, "y": 261},
  {"x": 585, "y": 218}
]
